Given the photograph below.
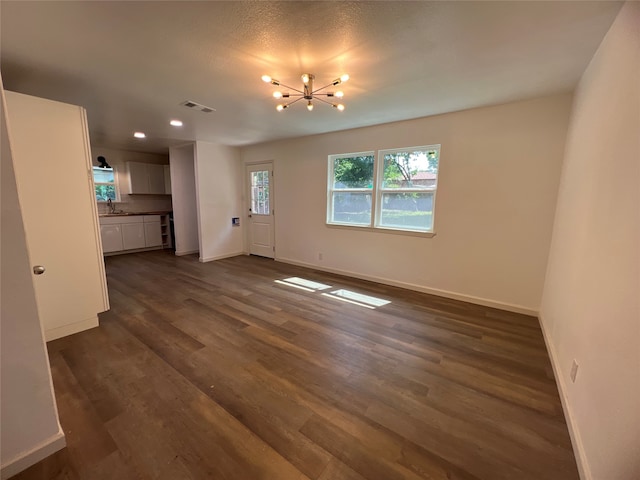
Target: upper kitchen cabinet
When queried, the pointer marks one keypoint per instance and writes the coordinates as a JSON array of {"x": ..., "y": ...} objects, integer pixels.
[
  {"x": 167, "y": 179},
  {"x": 50, "y": 145},
  {"x": 146, "y": 178}
]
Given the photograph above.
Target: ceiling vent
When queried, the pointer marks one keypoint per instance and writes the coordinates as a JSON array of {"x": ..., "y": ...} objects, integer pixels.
[{"x": 198, "y": 106}]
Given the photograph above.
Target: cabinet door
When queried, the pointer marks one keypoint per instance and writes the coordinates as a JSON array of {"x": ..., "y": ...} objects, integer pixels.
[
  {"x": 138, "y": 177},
  {"x": 133, "y": 235},
  {"x": 156, "y": 178},
  {"x": 167, "y": 179},
  {"x": 152, "y": 234},
  {"x": 111, "y": 238}
]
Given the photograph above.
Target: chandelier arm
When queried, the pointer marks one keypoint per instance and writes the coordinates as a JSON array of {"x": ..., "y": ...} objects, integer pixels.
[
  {"x": 322, "y": 88},
  {"x": 321, "y": 100},
  {"x": 287, "y": 86},
  {"x": 296, "y": 100}
]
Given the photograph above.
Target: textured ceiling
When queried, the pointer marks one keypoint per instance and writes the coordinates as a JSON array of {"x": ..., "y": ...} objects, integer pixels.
[{"x": 131, "y": 64}]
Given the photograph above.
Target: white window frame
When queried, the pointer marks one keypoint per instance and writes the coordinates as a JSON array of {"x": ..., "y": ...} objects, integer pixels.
[
  {"x": 115, "y": 183},
  {"x": 378, "y": 190},
  {"x": 331, "y": 190}
]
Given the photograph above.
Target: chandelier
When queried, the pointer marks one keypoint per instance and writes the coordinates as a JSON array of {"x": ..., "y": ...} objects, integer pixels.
[{"x": 307, "y": 93}]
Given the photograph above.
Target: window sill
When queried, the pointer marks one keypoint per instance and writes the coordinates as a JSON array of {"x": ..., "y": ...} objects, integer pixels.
[{"x": 394, "y": 231}]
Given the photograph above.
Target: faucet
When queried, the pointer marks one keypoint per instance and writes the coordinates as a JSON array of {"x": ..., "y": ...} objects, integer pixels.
[{"x": 112, "y": 207}]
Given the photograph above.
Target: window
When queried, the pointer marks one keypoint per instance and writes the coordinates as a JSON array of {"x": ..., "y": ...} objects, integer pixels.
[
  {"x": 351, "y": 188},
  {"x": 260, "y": 193},
  {"x": 396, "y": 192},
  {"x": 104, "y": 181}
]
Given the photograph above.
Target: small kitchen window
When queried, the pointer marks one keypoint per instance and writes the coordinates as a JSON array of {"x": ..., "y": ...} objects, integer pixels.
[{"x": 104, "y": 180}]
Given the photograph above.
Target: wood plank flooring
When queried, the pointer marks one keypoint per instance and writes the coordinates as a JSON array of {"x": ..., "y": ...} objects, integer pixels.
[{"x": 215, "y": 371}]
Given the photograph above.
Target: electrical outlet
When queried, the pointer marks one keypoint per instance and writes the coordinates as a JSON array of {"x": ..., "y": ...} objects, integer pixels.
[
  {"x": 574, "y": 371},
  {"x": 319, "y": 256}
]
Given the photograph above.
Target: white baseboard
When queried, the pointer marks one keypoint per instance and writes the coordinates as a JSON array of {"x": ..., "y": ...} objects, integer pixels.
[
  {"x": 63, "y": 331},
  {"x": 39, "y": 452},
  {"x": 133, "y": 250},
  {"x": 419, "y": 288},
  {"x": 574, "y": 433},
  {"x": 186, "y": 252},
  {"x": 219, "y": 257}
]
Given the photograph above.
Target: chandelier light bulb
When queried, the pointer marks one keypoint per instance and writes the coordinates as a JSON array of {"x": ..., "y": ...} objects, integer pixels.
[
  {"x": 340, "y": 107},
  {"x": 266, "y": 78},
  {"x": 309, "y": 106},
  {"x": 305, "y": 78},
  {"x": 281, "y": 107},
  {"x": 339, "y": 94},
  {"x": 344, "y": 77},
  {"x": 277, "y": 94}
]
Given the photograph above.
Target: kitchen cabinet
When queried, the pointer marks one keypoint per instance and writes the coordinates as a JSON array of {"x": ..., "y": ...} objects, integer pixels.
[
  {"x": 146, "y": 178},
  {"x": 152, "y": 231},
  {"x": 138, "y": 181},
  {"x": 73, "y": 289},
  {"x": 156, "y": 178},
  {"x": 111, "y": 238},
  {"x": 124, "y": 233},
  {"x": 167, "y": 179},
  {"x": 133, "y": 235}
]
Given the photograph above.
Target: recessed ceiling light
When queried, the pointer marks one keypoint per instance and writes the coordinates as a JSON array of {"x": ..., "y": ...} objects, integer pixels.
[
  {"x": 139, "y": 135},
  {"x": 176, "y": 123}
]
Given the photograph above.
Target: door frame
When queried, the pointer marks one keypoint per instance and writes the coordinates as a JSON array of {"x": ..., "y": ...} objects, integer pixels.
[{"x": 247, "y": 202}]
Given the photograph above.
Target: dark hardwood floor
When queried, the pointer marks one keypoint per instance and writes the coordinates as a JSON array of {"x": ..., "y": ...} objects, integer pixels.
[{"x": 215, "y": 371}]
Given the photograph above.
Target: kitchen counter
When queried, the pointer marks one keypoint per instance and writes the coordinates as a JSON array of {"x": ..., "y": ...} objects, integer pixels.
[{"x": 127, "y": 214}]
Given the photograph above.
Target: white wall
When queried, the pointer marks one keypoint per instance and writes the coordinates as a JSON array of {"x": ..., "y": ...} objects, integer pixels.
[
  {"x": 30, "y": 428},
  {"x": 219, "y": 193},
  {"x": 498, "y": 179},
  {"x": 590, "y": 305},
  {"x": 118, "y": 160},
  {"x": 183, "y": 191}
]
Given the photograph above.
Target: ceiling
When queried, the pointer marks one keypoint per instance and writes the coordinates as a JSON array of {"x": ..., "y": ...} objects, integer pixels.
[{"x": 132, "y": 64}]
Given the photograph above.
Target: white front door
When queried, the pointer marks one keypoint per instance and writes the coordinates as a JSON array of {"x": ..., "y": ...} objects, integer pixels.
[{"x": 261, "y": 210}]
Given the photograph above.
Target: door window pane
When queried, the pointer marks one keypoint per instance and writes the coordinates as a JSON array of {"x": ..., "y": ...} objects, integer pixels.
[{"x": 260, "y": 193}]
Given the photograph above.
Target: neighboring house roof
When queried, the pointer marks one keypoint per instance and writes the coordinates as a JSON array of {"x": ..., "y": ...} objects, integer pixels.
[{"x": 424, "y": 176}]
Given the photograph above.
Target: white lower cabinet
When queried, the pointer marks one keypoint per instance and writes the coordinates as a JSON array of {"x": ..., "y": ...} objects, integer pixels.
[
  {"x": 132, "y": 232},
  {"x": 133, "y": 236},
  {"x": 111, "y": 238},
  {"x": 152, "y": 231}
]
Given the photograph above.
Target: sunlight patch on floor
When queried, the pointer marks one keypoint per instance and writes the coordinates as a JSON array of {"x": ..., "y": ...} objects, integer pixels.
[
  {"x": 303, "y": 284},
  {"x": 357, "y": 298}
]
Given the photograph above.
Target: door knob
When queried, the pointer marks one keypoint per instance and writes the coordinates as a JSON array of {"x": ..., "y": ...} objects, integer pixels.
[{"x": 38, "y": 269}]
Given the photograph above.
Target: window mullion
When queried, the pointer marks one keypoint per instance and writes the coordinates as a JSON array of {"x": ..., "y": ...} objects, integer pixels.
[{"x": 378, "y": 171}]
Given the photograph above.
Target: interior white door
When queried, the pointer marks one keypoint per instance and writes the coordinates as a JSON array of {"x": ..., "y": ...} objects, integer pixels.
[
  {"x": 261, "y": 210},
  {"x": 52, "y": 161}
]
